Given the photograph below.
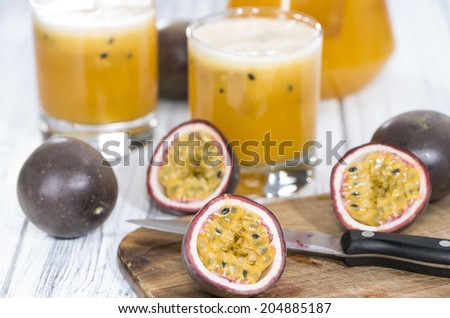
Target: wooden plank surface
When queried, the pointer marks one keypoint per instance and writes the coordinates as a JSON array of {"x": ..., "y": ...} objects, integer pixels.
[
  {"x": 33, "y": 264},
  {"x": 151, "y": 260}
]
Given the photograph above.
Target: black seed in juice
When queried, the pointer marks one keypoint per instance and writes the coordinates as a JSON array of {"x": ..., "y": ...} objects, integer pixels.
[
  {"x": 218, "y": 231},
  {"x": 104, "y": 55},
  {"x": 396, "y": 172},
  {"x": 290, "y": 88},
  {"x": 225, "y": 211},
  {"x": 244, "y": 273},
  {"x": 251, "y": 76},
  {"x": 355, "y": 194},
  {"x": 352, "y": 169},
  {"x": 110, "y": 40},
  {"x": 224, "y": 264},
  {"x": 354, "y": 206},
  {"x": 221, "y": 90},
  {"x": 264, "y": 250},
  {"x": 255, "y": 236},
  {"x": 219, "y": 174}
]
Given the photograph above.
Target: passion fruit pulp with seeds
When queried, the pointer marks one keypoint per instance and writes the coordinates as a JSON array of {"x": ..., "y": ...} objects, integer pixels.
[
  {"x": 192, "y": 164},
  {"x": 189, "y": 173},
  {"x": 234, "y": 247},
  {"x": 243, "y": 243},
  {"x": 377, "y": 187}
]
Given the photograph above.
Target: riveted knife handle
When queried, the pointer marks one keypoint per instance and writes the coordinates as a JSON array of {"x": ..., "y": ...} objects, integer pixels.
[{"x": 406, "y": 252}]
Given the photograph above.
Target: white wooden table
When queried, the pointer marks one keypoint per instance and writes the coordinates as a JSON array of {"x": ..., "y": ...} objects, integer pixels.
[{"x": 33, "y": 264}]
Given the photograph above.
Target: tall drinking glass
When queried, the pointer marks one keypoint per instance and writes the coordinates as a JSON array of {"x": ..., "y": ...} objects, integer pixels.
[
  {"x": 96, "y": 65},
  {"x": 255, "y": 74}
]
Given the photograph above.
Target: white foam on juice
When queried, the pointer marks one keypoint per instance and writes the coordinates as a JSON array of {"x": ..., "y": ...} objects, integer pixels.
[
  {"x": 92, "y": 14},
  {"x": 250, "y": 39}
]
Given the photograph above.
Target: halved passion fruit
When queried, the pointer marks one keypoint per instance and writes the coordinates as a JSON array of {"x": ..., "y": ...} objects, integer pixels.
[
  {"x": 192, "y": 164},
  {"x": 234, "y": 247},
  {"x": 377, "y": 187}
]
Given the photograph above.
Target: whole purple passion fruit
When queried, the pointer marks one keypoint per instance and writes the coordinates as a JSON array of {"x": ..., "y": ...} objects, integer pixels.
[
  {"x": 376, "y": 187},
  {"x": 172, "y": 60},
  {"x": 426, "y": 134},
  {"x": 66, "y": 188},
  {"x": 234, "y": 247},
  {"x": 192, "y": 164}
]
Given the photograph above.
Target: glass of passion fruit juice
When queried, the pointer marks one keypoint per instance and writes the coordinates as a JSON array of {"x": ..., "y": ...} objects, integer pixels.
[
  {"x": 255, "y": 74},
  {"x": 96, "y": 66}
]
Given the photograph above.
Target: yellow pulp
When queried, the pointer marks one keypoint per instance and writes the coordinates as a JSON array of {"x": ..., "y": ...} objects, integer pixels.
[
  {"x": 194, "y": 169},
  {"x": 97, "y": 77},
  {"x": 235, "y": 243},
  {"x": 379, "y": 188},
  {"x": 357, "y": 39}
]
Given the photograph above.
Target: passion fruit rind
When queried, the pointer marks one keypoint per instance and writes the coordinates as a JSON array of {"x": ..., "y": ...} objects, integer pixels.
[
  {"x": 64, "y": 189},
  {"x": 393, "y": 224},
  {"x": 230, "y": 177},
  {"x": 219, "y": 285},
  {"x": 425, "y": 133}
]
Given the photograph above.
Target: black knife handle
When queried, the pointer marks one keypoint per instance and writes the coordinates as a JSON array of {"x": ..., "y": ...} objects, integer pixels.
[{"x": 407, "y": 252}]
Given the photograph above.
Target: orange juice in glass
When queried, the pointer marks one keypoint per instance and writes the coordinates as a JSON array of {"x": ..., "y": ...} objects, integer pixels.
[
  {"x": 255, "y": 74},
  {"x": 357, "y": 39},
  {"x": 96, "y": 66}
]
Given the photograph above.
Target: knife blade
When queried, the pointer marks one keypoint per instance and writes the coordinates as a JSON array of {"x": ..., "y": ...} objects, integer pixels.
[{"x": 420, "y": 254}]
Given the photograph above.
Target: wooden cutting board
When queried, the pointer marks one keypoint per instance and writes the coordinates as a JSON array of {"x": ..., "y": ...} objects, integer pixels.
[{"x": 151, "y": 260}]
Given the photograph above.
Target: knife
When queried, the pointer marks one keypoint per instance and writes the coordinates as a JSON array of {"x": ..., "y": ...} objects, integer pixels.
[{"x": 419, "y": 254}]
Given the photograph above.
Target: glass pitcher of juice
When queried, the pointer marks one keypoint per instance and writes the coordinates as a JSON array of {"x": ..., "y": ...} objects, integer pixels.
[{"x": 357, "y": 39}]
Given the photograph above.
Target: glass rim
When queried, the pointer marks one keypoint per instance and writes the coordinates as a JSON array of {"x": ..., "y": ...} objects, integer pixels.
[
  {"x": 34, "y": 5},
  {"x": 255, "y": 11}
]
